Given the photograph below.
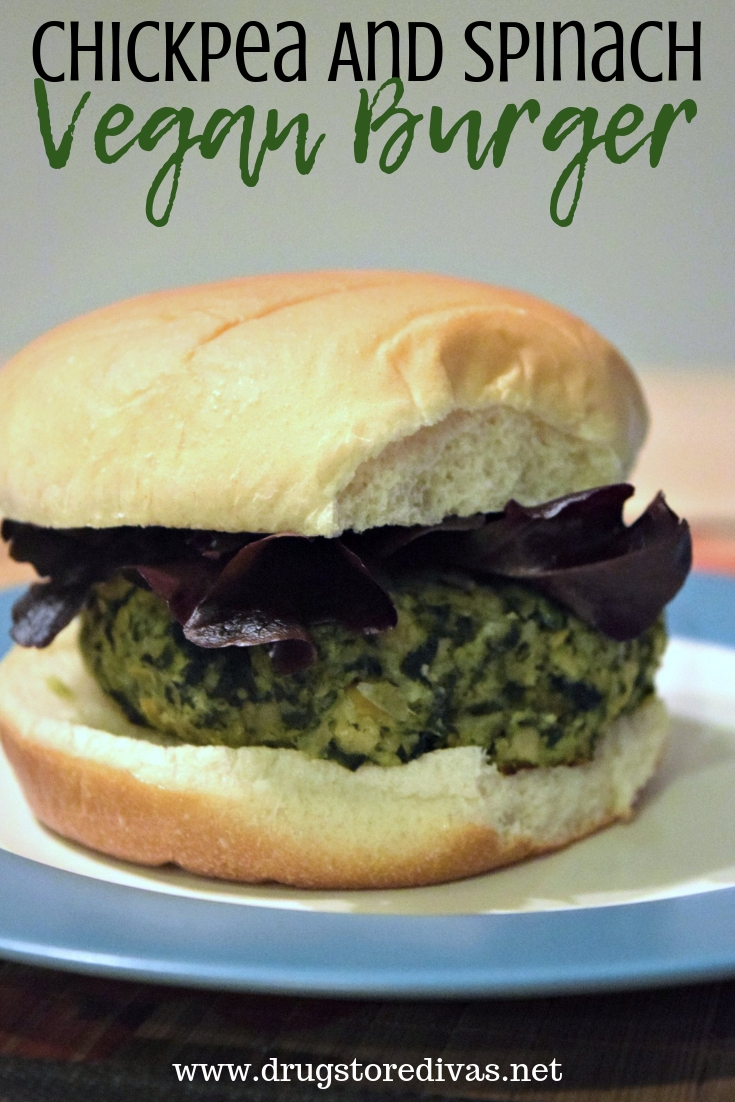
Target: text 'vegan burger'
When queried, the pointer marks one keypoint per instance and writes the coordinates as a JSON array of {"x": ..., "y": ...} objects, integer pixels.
[{"x": 337, "y": 590}]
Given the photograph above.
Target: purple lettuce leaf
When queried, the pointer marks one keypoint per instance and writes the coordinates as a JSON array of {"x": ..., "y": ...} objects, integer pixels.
[
  {"x": 271, "y": 591},
  {"x": 44, "y": 610},
  {"x": 616, "y": 578},
  {"x": 245, "y": 589}
]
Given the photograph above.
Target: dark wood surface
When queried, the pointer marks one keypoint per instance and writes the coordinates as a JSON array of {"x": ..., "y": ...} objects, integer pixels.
[{"x": 69, "y": 1037}]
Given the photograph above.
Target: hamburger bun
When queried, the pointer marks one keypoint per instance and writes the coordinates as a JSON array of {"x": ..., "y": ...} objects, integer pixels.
[
  {"x": 312, "y": 403},
  {"x": 259, "y": 814}
]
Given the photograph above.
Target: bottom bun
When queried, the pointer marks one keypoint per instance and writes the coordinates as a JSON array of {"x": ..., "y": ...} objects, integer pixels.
[{"x": 259, "y": 814}]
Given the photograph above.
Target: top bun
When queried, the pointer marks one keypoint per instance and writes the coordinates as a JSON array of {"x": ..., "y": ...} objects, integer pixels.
[{"x": 312, "y": 402}]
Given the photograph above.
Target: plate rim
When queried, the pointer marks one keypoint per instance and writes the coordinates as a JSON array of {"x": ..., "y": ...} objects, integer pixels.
[{"x": 313, "y": 953}]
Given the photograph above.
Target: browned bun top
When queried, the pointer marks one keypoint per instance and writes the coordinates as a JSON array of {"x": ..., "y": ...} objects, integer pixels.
[{"x": 312, "y": 402}]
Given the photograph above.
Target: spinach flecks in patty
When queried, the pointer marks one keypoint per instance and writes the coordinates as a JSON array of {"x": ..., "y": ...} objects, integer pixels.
[
  {"x": 492, "y": 665},
  {"x": 415, "y": 664}
]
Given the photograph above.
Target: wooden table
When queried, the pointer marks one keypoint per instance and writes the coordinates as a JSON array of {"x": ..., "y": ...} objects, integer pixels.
[
  {"x": 65, "y": 1038},
  {"x": 70, "y": 1038}
]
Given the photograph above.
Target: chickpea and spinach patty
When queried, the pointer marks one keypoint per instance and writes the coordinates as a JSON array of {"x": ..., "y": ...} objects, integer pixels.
[{"x": 471, "y": 663}]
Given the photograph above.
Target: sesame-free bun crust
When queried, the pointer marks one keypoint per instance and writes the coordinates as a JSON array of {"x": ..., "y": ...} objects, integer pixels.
[
  {"x": 312, "y": 403},
  {"x": 259, "y": 814}
]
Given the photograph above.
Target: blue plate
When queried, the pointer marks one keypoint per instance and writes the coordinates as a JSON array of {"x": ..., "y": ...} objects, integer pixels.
[{"x": 68, "y": 921}]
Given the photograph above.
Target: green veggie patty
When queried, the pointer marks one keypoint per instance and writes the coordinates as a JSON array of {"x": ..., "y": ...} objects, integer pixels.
[{"x": 495, "y": 665}]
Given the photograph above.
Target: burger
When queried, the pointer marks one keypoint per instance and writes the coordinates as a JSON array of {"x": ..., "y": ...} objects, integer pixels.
[{"x": 336, "y": 587}]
